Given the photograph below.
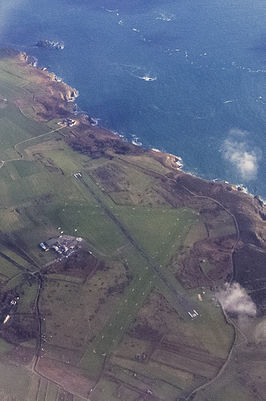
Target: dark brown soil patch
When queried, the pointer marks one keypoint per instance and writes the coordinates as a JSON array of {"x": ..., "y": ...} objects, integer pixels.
[{"x": 79, "y": 264}]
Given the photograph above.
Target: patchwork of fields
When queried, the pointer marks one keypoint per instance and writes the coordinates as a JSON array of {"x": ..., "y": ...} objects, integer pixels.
[{"x": 110, "y": 322}]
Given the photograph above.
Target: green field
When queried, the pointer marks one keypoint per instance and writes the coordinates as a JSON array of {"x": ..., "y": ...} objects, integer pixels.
[{"x": 113, "y": 325}]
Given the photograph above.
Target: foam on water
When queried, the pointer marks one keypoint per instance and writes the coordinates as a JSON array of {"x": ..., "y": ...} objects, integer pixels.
[{"x": 147, "y": 78}]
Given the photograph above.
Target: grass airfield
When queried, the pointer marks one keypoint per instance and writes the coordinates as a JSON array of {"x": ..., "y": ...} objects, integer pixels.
[{"x": 113, "y": 325}]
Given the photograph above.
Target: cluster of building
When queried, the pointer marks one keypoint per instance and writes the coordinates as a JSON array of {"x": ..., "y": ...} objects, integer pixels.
[
  {"x": 63, "y": 245},
  {"x": 67, "y": 122}
]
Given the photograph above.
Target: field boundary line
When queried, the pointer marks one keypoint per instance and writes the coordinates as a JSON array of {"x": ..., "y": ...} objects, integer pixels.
[
  {"x": 3, "y": 162},
  {"x": 223, "y": 367}
]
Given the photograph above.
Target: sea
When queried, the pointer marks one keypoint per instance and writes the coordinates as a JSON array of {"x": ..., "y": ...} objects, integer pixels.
[{"x": 183, "y": 76}]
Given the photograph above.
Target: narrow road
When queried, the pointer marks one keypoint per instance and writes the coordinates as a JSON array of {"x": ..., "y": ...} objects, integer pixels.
[
  {"x": 3, "y": 162},
  {"x": 228, "y": 359},
  {"x": 38, "y": 275},
  {"x": 39, "y": 136},
  {"x": 223, "y": 207}
]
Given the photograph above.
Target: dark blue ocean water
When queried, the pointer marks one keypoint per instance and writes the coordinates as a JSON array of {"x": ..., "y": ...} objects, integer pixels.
[{"x": 185, "y": 76}]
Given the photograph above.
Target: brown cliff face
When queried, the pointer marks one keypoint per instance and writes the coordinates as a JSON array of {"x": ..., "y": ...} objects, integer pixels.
[{"x": 47, "y": 97}]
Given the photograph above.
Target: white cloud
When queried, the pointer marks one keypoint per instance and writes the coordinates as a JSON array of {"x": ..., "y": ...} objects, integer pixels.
[
  {"x": 235, "y": 299},
  {"x": 241, "y": 155}
]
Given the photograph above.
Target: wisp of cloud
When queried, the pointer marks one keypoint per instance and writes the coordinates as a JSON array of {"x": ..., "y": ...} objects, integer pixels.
[
  {"x": 235, "y": 299},
  {"x": 237, "y": 151}
]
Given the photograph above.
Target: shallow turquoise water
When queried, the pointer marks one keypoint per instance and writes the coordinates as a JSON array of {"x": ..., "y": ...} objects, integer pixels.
[{"x": 206, "y": 60}]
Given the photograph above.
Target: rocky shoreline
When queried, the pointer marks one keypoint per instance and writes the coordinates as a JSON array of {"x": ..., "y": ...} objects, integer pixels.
[
  {"x": 69, "y": 95},
  {"x": 57, "y": 100}
]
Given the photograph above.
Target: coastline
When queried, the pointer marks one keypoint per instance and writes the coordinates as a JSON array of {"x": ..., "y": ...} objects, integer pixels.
[
  {"x": 71, "y": 94},
  {"x": 67, "y": 95}
]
